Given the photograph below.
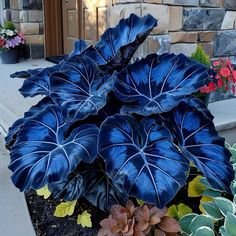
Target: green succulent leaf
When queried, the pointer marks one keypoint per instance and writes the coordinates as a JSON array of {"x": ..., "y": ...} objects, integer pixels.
[
  {"x": 225, "y": 205},
  {"x": 211, "y": 193},
  {"x": 199, "y": 221},
  {"x": 230, "y": 224},
  {"x": 223, "y": 232},
  {"x": 186, "y": 221},
  {"x": 204, "y": 231},
  {"x": 212, "y": 210}
]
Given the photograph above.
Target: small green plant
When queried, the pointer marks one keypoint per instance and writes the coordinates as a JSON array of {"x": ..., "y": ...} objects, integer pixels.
[
  {"x": 201, "y": 56},
  {"x": 219, "y": 219},
  {"x": 9, "y": 25}
]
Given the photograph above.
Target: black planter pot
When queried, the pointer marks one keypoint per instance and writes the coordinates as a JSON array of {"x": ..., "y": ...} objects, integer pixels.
[{"x": 10, "y": 57}]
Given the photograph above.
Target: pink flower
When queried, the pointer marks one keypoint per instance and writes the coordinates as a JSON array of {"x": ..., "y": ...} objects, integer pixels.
[
  {"x": 216, "y": 63},
  {"x": 225, "y": 72},
  {"x": 220, "y": 83}
]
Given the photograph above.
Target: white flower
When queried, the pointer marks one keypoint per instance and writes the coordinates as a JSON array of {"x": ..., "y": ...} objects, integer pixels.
[
  {"x": 9, "y": 32},
  {"x": 2, "y": 31}
]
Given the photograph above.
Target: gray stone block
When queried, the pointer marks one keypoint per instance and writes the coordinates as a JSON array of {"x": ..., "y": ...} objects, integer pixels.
[
  {"x": 225, "y": 43},
  {"x": 23, "y": 16},
  {"x": 230, "y": 4},
  {"x": 6, "y": 15},
  {"x": 36, "y": 51},
  {"x": 182, "y": 2},
  {"x": 212, "y": 3},
  {"x": 35, "y": 16},
  {"x": 203, "y": 18},
  {"x": 41, "y": 28},
  {"x": 15, "y": 15}
]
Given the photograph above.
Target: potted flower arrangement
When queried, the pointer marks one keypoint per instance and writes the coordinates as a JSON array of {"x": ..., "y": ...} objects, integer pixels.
[
  {"x": 223, "y": 82},
  {"x": 10, "y": 41},
  {"x": 222, "y": 77},
  {"x": 130, "y": 138}
]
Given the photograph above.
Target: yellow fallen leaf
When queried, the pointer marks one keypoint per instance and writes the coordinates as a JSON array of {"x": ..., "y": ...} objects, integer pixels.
[
  {"x": 140, "y": 202},
  {"x": 65, "y": 209},
  {"x": 44, "y": 192},
  {"x": 178, "y": 211},
  {"x": 195, "y": 187},
  {"x": 84, "y": 220}
]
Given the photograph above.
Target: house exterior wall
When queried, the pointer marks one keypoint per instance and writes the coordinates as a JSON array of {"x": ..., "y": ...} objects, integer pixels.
[
  {"x": 27, "y": 15},
  {"x": 184, "y": 23}
]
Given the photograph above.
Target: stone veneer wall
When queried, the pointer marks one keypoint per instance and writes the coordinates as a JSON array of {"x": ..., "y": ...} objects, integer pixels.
[
  {"x": 27, "y": 15},
  {"x": 184, "y": 23}
]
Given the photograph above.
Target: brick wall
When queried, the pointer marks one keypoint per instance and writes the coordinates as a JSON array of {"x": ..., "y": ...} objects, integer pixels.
[
  {"x": 27, "y": 15},
  {"x": 184, "y": 23}
]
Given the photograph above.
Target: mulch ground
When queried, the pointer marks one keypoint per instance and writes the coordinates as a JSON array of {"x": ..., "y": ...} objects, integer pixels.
[{"x": 45, "y": 224}]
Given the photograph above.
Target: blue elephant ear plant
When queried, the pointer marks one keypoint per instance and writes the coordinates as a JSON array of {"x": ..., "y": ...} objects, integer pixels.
[{"x": 108, "y": 129}]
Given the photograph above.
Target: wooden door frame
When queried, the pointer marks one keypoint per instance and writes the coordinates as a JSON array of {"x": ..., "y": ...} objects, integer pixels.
[{"x": 53, "y": 25}]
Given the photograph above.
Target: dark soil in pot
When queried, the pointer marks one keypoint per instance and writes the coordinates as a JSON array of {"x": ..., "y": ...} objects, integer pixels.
[{"x": 45, "y": 224}]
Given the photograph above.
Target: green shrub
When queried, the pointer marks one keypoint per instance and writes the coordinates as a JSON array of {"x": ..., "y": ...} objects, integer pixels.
[
  {"x": 201, "y": 56},
  {"x": 9, "y": 25}
]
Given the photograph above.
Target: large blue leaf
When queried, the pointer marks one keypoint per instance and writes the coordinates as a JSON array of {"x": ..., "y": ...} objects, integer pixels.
[
  {"x": 15, "y": 128},
  {"x": 143, "y": 154},
  {"x": 42, "y": 154},
  {"x": 90, "y": 181},
  {"x": 157, "y": 84},
  {"x": 117, "y": 45},
  {"x": 201, "y": 144},
  {"x": 81, "y": 89},
  {"x": 199, "y": 105},
  {"x": 38, "y": 81}
]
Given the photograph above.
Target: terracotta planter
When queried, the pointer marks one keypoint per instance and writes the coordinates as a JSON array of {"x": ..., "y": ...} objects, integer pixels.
[{"x": 10, "y": 57}]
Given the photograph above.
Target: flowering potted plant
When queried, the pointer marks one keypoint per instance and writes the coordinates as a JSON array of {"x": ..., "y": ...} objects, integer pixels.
[
  {"x": 224, "y": 80},
  {"x": 10, "y": 40}
]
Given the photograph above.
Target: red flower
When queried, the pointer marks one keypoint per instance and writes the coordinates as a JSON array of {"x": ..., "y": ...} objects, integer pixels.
[
  {"x": 233, "y": 90},
  {"x": 2, "y": 42},
  {"x": 218, "y": 76},
  {"x": 234, "y": 75},
  {"x": 216, "y": 63},
  {"x": 225, "y": 72},
  {"x": 228, "y": 62},
  {"x": 220, "y": 83},
  {"x": 212, "y": 86},
  {"x": 203, "y": 89}
]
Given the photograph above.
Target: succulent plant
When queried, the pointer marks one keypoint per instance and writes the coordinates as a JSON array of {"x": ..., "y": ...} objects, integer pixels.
[
  {"x": 219, "y": 216},
  {"x": 138, "y": 221}
]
